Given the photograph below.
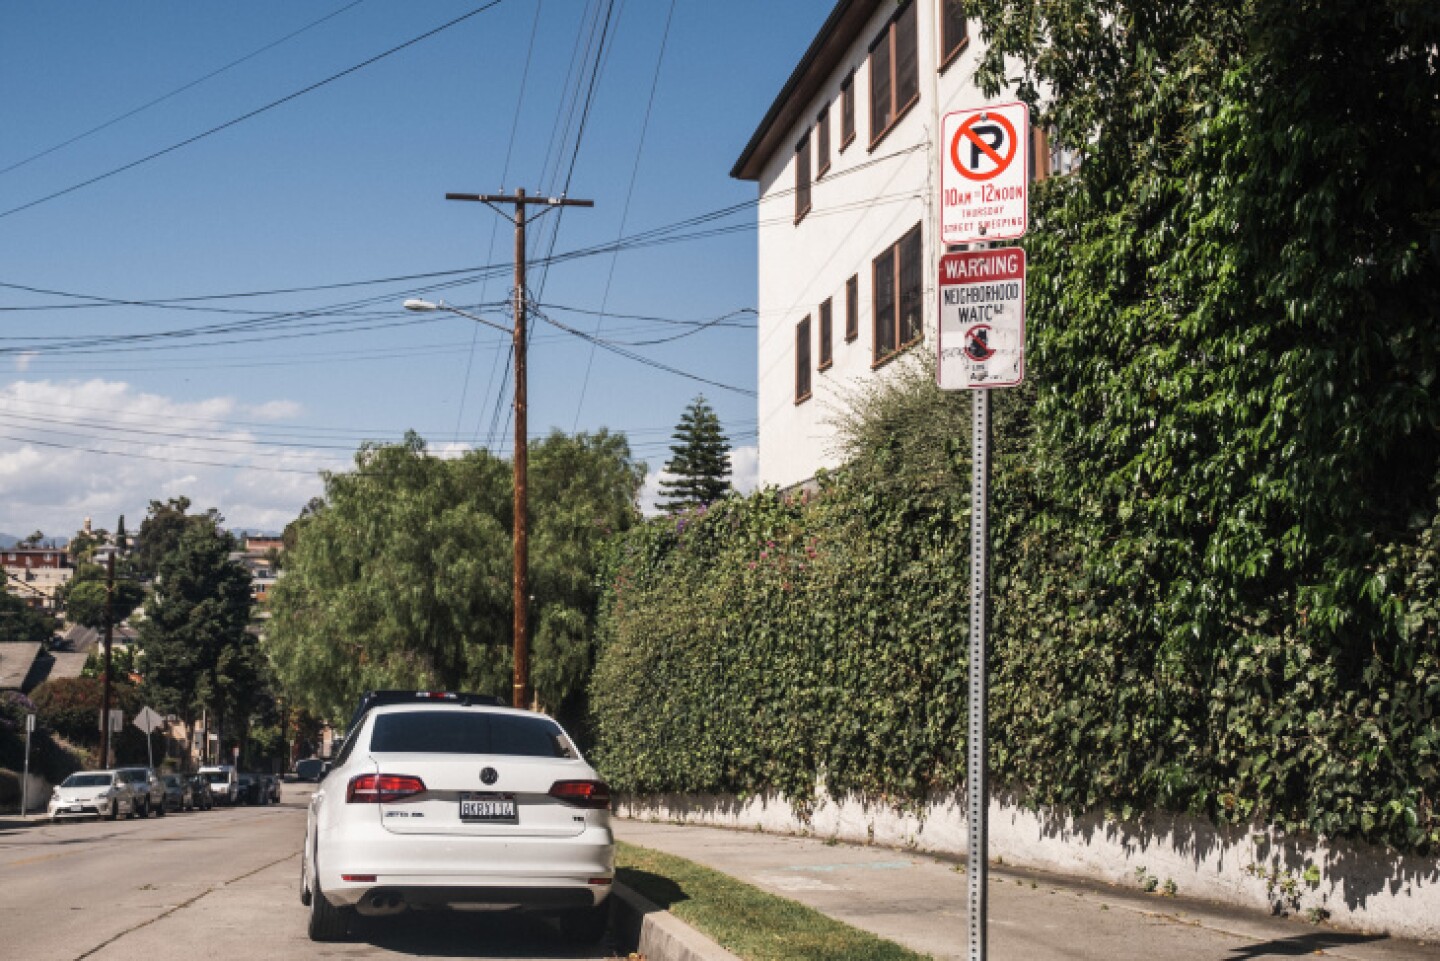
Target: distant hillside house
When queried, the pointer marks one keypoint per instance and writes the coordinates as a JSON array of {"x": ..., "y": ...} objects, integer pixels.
[
  {"x": 847, "y": 169},
  {"x": 34, "y": 574}
]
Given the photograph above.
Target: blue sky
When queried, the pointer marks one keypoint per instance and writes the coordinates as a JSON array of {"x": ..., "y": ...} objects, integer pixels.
[{"x": 346, "y": 183}]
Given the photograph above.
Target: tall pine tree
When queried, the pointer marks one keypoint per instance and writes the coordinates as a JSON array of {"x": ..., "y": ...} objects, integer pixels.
[{"x": 699, "y": 465}]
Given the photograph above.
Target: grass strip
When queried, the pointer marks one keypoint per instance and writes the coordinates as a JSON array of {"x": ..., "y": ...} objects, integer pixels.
[{"x": 745, "y": 920}]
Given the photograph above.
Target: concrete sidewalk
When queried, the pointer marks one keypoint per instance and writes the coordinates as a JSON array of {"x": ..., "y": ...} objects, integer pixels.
[{"x": 919, "y": 901}]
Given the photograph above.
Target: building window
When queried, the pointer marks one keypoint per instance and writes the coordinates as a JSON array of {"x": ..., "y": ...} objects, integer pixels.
[
  {"x": 802, "y": 361},
  {"x": 852, "y": 308},
  {"x": 953, "y": 34},
  {"x": 847, "y": 110},
  {"x": 827, "y": 356},
  {"x": 802, "y": 178},
  {"x": 822, "y": 142},
  {"x": 894, "y": 73},
  {"x": 898, "y": 289}
]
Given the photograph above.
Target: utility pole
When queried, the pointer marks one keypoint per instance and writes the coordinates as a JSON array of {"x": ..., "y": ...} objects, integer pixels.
[
  {"x": 105, "y": 696},
  {"x": 520, "y": 694}
]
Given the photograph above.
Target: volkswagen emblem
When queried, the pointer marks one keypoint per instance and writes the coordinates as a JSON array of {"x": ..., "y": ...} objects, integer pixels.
[{"x": 489, "y": 775}]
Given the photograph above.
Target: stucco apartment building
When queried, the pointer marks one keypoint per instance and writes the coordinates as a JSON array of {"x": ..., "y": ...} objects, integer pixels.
[{"x": 846, "y": 164}]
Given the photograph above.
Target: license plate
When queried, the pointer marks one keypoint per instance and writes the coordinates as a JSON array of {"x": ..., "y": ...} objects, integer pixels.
[
  {"x": 493, "y": 808},
  {"x": 76, "y": 809}
]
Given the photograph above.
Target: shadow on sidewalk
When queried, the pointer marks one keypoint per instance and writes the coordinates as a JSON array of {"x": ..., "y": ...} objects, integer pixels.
[{"x": 1301, "y": 944}]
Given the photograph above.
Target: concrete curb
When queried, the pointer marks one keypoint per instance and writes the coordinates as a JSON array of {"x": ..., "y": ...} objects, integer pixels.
[{"x": 657, "y": 934}]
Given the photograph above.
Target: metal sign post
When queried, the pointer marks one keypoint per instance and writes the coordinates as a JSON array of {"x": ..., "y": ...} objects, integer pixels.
[
  {"x": 25, "y": 779},
  {"x": 984, "y": 197},
  {"x": 977, "y": 857}
]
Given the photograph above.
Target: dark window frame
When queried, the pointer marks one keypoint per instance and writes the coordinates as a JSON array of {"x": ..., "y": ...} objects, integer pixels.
[
  {"x": 852, "y": 308},
  {"x": 888, "y": 37},
  {"x": 847, "y": 111},
  {"x": 892, "y": 315},
  {"x": 803, "y": 180},
  {"x": 950, "y": 51},
  {"x": 822, "y": 141},
  {"x": 827, "y": 332},
  {"x": 802, "y": 361}
]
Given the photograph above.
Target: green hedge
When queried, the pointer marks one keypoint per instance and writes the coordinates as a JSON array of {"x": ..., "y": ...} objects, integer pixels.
[{"x": 765, "y": 643}]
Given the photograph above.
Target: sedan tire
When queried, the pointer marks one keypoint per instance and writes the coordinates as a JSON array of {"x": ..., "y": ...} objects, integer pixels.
[
  {"x": 304, "y": 888},
  {"x": 327, "y": 922}
]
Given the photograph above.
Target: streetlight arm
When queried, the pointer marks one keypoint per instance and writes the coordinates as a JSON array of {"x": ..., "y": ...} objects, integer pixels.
[{"x": 424, "y": 306}]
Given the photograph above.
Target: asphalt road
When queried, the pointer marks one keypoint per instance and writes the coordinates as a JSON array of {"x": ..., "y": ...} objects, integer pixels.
[{"x": 212, "y": 885}]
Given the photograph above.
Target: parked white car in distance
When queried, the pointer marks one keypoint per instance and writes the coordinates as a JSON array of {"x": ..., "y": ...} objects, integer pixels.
[
  {"x": 91, "y": 794},
  {"x": 442, "y": 802},
  {"x": 224, "y": 782}
]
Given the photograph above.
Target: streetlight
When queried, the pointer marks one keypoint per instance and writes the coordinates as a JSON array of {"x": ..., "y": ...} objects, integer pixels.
[{"x": 520, "y": 694}]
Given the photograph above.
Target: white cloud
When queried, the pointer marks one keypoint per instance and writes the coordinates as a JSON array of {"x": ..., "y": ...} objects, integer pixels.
[
  {"x": 76, "y": 449},
  {"x": 274, "y": 410},
  {"x": 22, "y": 360},
  {"x": 744, "y": 477},
  {"x": 745, "y": 468}
]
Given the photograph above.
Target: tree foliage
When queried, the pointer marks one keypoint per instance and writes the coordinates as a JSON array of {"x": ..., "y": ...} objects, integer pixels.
[
  {"x": 699, "y": 465},
  {"x": 19, "y": 622},
  {"x": 84, "y": 596},
  {"x": 160, "y": 532},
  {"x": 403, "y": 577},
  {"x": 1214, "y": 515},
  {"x": 197, "y": 649}
]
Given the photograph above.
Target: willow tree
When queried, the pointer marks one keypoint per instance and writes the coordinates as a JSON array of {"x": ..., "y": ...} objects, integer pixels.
[{"x": 402, "y": 576}]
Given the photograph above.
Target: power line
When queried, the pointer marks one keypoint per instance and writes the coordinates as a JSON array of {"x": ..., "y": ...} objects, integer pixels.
[
  {"x": 640, "y": 358},
  {"x": 625, "y": 210},
  {"x": 495, "y": 224},
  {"x": 253, "y": 113},
  {"x": 178, "y": 90}
]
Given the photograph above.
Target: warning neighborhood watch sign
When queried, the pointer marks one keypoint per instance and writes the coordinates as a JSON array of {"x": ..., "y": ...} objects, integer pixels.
[
  {"x": 984, "y": 174},
  {"x": 982, "y": 319}
]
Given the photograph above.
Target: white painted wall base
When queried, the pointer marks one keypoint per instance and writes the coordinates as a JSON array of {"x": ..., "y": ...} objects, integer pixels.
[{"x": 1362, "y": 887}]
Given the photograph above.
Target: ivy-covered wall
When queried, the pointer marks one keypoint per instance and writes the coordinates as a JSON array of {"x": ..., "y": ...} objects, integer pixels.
[{"x": 760, "y": 645}]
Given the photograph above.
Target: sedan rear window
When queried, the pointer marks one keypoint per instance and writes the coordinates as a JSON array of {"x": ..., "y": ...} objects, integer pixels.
[{"x": 463, "y": 732}]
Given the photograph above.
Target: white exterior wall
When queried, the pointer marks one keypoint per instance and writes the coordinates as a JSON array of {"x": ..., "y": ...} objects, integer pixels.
[{"x": 854, "y": 215}]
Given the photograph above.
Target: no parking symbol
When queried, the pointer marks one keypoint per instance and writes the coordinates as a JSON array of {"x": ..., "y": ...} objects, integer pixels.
[{"x": 984, "y": 174}]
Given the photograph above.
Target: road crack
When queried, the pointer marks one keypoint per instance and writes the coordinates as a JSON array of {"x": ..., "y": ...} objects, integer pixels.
[{"x": 180, "y": 907}]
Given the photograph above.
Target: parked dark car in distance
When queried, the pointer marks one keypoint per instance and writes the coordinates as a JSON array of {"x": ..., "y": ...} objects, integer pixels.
[
  {"x": 309, "y": 769},
  {"x": 200, "y": 795}
]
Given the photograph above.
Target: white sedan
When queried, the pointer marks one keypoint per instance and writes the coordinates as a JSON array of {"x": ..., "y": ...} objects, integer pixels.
[{"x": 440, "y": 802}]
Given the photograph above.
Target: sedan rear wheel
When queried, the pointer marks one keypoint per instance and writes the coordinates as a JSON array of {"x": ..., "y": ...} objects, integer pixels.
[
  {"x": 327, "y": 922},
  {"x": 160, "y": 809},
  {"x": 304, "y": 888}
]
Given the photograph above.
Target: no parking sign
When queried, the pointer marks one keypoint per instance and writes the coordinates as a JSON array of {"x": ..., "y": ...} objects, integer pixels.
[{"x": 984, "y": 174}]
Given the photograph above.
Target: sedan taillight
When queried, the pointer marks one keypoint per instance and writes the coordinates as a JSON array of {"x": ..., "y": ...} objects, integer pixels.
[
  {"x": 382, "y": 788},
  {"x": 582, "y": 794}
]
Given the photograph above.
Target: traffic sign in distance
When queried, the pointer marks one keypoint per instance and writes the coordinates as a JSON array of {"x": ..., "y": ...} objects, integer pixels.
[
  {"x": 147, "y": 720},
  {"x": 982, "y": 319},
  {"x": 985, "y": 174}
]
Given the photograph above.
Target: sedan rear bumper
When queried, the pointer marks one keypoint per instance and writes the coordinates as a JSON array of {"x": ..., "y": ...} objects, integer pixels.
[{"x": 448, "y": 869}]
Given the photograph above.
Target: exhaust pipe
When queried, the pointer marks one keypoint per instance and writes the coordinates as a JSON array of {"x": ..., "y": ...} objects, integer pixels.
[{"x": 381, "y": 903}]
